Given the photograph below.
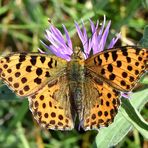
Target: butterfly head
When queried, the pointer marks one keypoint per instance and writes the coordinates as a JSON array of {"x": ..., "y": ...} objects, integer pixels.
[{"x": 77, "y": 54}]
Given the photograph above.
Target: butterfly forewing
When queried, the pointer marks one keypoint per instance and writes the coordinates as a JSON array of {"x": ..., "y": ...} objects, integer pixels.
[
  {"x": 120, "y": 67},
  {"x": 27, "y": 73}
]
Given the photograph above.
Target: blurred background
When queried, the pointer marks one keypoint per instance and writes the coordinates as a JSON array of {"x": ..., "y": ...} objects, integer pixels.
[{"x": 22, "y": 26}]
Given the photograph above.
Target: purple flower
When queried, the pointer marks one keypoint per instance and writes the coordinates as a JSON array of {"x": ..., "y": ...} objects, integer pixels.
[{"x": 62, "y": 46}]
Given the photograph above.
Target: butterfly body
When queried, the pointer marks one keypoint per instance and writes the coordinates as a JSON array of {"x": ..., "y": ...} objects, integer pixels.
[
  {"x": 76, "y": 80},
  {"x": 59, "y": 90}
]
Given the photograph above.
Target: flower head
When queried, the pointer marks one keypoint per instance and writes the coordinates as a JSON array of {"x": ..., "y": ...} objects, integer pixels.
[{"x": 62, "y": 46}]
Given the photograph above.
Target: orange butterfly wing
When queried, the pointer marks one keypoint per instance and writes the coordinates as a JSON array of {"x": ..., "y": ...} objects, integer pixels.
[
  {"x": 27, "y": 73},
  {"x": 108, "y": 73},
  {"x": 51, "y": 105},
  {"x": 119, "y": 67},
  {"x": 101, "y": 103}
]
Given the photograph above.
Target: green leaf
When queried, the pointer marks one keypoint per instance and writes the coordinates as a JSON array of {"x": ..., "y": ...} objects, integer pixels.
[
  {"x": 134, "y": 117},
  {"x": 4, "y": 9},
  {"x": 7, "y": 94},
  {"x": 113, "y": 134},
  {"x": 144, "y": 79},
  {"x": 144, "y": 41},
  {"x": 20, "y": 113},
  {"x": 145, "y": 3}
]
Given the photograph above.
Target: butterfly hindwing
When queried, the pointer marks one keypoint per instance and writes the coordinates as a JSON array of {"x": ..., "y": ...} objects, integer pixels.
[
  {"x": 27, "y": 73},
  {"x": 51, "y": 105},
  {"x": 120, "y": 67},
  {"x": 101, "y": 103}
]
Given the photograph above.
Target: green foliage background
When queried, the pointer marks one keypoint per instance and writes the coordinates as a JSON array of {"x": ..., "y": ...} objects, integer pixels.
[{"x": 22, "y": 26}]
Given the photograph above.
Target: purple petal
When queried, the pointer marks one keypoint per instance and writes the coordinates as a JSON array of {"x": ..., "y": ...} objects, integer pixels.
[
  {"x": 114, "y": 40},
  {"x": 59, "y": 54},
  {"x": 53, "y": 39},
  {"x": 95, "y": 43},
  {"x": 102, "y": 29},
  {"x": 83, "y": 37},
  {"x": 67, "y": 37},
  {"x": 56, "y": 33},
  {"x": 84, "y": 33},
  {"x": 59, "y": 46},
  {"x": 93, "y": 27},
  {"x": 58, "y": 38},
  {"x": 79, "y": 31},
  {"x": 104, "y": 37}
]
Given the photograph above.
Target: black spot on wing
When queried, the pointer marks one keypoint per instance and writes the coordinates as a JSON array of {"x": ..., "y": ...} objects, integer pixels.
[
  {"x": 114, "y": 55},
  {"x": 33, "y": 60},
  {"x": 103, "y": 71},
  {"x": 99, "y": 60},
  {"x": 112, "y": 76},
  {"x": 50, "y": 63},
  {"x": 106, "y": 55},
  {"x": 137, "y": 50},
  {"x": 22, "y": 57},
  {"x": 42, "y": 59},
  {"x": 129, "y": 68},
  {"x": 26, "y": 88},
  {"x": 28, "y": 68},
  {"x": 18, "y": 65},
  {"x": 39, "y": 71},
  {"x": 123, "y": 83},
  {"x": 55, "y": 63},
  {"x": 128, "y": 59},
  {"x": 37, "y": 80},
  {"x": 110, "y": 68},
  {"x": 124, "y": 74},
  {"x": 47, "y": 74},
  {"x": 124, "y": 52},
  {"x": 7, "y": 59},
  {"x": 119, "y": 64}
]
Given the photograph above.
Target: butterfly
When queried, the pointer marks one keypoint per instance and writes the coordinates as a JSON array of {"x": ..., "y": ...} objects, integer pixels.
[{"x": 59, "y": 92}]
